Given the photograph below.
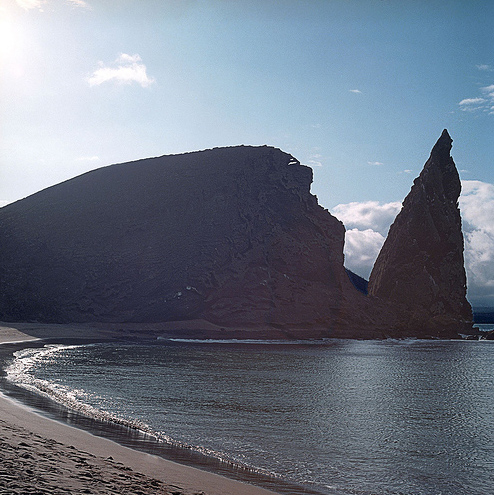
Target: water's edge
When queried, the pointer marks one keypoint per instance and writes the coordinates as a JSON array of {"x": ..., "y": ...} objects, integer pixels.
[{"x": 128, "y": 436}]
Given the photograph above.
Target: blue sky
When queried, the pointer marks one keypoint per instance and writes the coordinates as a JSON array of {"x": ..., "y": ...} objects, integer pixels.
[{"x": 359, "y": 90}]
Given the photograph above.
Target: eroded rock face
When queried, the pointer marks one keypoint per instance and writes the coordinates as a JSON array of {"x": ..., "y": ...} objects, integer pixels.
[
  {"x": 230, "y": 235},
  {"x": 230, "y": 241},
  {"x": 420, "y": 269}
]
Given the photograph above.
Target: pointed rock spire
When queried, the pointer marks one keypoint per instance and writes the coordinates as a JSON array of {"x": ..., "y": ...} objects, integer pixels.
[{"x": 420, "y": 269}]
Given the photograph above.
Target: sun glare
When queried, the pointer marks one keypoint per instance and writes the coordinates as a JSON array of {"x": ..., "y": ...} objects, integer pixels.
[
  {"x": 10, "y": 47},
  {"x": 9, "y": 37},
  {"x": 6, "y": 35}
]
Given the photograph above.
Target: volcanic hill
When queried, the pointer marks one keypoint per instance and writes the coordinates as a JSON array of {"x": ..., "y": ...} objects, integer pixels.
[{"x": 229, "y": 241}]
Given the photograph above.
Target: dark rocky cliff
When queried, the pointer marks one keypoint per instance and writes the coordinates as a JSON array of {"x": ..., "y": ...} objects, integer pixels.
[
  {"x": 230, "y": 239},
  {"x": 232, "y": 236},
  {"x": 420, "y": 269}
]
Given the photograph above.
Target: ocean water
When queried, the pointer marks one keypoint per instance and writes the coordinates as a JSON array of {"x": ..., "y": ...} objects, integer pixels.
[{"x": 409, "y": 417}]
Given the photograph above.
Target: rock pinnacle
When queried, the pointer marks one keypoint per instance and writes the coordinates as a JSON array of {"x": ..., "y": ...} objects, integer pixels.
[{"x": 420, "y": 269}]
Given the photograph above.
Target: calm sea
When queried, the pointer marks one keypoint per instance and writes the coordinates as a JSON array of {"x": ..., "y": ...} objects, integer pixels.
[{"x": 407, "y": 417}]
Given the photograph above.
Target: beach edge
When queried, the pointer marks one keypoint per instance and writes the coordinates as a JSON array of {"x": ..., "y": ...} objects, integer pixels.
[{"x": 18, "y": 421}]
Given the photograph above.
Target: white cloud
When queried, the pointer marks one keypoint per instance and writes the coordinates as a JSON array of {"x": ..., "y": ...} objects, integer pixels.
[
  {"x": 126, "y": 69},
  {"x": 31, "y": 4},
  {"x": 489, "y": 93},
  {"x": 315, "y": 160},
  {"x": 483, "y": 103},
  {"x": 38, "y": 4},
  {"x": 367, "y": 215},
  {"x": 472, "y": 101},
  {"x": 368, "y": 222},
  {"x": 314, "y": 163},
  {"x": 367, "y": 225},
  {"x": 477, "y": 207},
  {"x": 79, "y": 3},
  {"x": 375, "y": 163},
  {"x": 355, "y": 91},
  {"x": 484, "y": 67},
  {"x": 361, "y": 250}
]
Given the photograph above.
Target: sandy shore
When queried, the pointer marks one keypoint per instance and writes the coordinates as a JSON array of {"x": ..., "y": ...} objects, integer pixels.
[{"x": 39, "y": 455}]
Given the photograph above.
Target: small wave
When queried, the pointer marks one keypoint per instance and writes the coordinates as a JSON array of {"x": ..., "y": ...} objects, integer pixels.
[
  {"x": 222, "y": 457},
  {"x": 21, "y": 372},
  {"x": 27, "y": 359}
]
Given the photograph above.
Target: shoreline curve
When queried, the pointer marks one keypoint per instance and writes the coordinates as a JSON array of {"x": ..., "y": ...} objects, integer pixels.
[{"x": 38, "y": 451}]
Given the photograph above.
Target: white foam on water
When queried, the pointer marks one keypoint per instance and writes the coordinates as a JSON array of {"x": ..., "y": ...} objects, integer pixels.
[{"x": 21, "y": 373}]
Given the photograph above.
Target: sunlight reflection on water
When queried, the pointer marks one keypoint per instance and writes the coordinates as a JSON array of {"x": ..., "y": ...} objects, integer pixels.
[{"x": 380, "y": 417}]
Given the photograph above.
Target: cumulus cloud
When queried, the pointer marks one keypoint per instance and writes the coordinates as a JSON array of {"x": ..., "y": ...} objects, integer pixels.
[
  {"x": 368, "y": 222},
  {"x": 375, "y": 163},
  {"x": 484, "y": 67},
  {"x": 367, "y": 225},
  {"x": 361, "y": 250},
  {"x": 477, "y": 207},
  {"x": 357, "y": 91},
  {"x": 126, "y": 69},
  {"x": 367, "y": 215}
]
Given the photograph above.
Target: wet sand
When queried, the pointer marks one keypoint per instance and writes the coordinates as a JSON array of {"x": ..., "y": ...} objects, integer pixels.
[{"x": 39, "y": 455}]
